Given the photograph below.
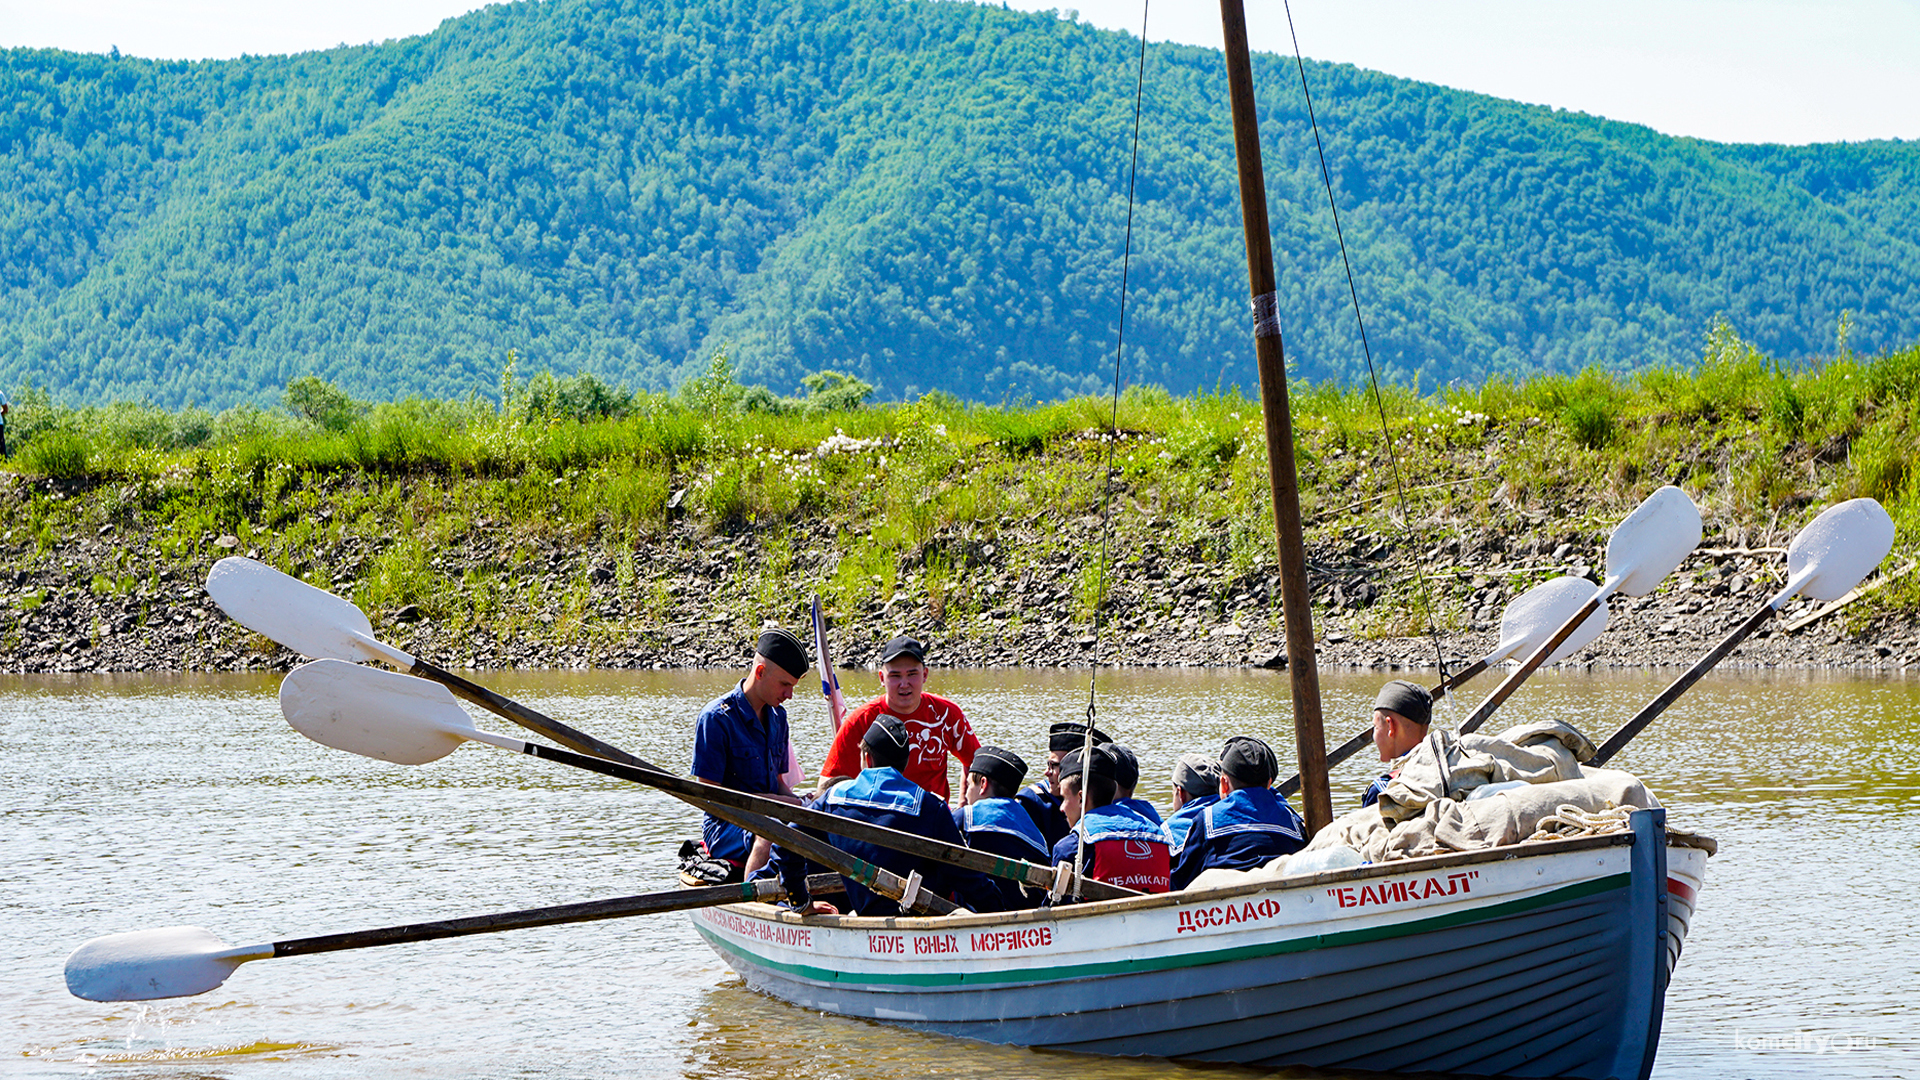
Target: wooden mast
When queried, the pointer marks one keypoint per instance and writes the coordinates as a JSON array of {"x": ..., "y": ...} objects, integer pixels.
[{"x": 1308, "y": 731}]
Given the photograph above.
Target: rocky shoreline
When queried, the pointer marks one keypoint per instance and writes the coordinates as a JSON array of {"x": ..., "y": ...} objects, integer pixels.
[{"x": 1161, "y": 613}]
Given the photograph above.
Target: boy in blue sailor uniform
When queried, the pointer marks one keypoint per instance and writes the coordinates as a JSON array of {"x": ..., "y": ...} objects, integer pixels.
[
  {"x": 1196, "y": 786},
  {"x": 994, "y": 822},
  {"x": 883, "y": 795},
  {"x": 1041, "y": 799},
  {"x": 1250, "y": 825},
  {"x": 740, "y": 742},
  {"x": 1126, "y": 777},
  {"x": 1401, "y": 713},
  {"x": 1123, "y": 848}
]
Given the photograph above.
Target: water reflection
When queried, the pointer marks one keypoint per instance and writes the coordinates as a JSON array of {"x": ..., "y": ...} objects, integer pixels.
[
  {"x": 146, "y": 801},
  {"x": 734, "y": 1036}
]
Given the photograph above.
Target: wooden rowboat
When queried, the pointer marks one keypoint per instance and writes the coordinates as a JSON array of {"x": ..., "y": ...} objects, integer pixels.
[{"x": 1546, "y": 959}]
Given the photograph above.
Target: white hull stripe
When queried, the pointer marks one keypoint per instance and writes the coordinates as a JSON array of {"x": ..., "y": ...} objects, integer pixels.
[{"x": 1307, "y": 943}]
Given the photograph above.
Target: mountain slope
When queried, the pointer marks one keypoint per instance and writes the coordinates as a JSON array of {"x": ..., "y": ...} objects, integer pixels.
[{"x": 929, "y": 195}]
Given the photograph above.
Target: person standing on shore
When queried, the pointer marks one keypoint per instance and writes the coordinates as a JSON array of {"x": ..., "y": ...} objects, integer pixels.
[
  {"x": 935, "y": 725},
  {"x": 4, "y": 409},
  {"x": 740, "y": 741}
]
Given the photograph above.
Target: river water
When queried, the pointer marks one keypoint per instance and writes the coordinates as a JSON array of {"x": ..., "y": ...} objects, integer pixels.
[{"x": 135, "y": 802}]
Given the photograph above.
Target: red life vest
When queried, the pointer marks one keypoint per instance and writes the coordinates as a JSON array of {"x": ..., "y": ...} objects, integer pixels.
[{"x": 1134, "y": 864}]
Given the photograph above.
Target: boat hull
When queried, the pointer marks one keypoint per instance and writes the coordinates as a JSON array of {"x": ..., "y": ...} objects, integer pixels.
[
  {"x": 1541, "y": 960},
  {"x": 1686, "y": 873}
]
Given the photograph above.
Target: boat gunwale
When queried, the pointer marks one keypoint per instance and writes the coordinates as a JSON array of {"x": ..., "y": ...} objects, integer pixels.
[
  {"x": 1685, "y": 839},
  {"x": 1131, "y": 904}
]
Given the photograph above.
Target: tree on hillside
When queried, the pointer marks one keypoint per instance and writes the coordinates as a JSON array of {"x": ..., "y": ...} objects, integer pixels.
[
  {"x": 922, "y": 196},
  {"x": 321, "y": 403}
]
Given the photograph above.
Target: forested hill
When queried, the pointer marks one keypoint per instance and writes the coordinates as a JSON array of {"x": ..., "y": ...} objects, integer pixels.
[{"x": 928, "y": 195}]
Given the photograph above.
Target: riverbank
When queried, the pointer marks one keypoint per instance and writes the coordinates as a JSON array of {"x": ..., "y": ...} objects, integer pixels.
[
  {"x": 663, "y": 532},
  {"x": 703, "y": 598}
]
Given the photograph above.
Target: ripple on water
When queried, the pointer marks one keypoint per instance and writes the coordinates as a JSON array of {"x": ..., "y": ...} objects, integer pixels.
[
  {"x": 190, "y": 801},
  {"x": 137, "y": 1053},
  {"x": 163, "y": 1033}
]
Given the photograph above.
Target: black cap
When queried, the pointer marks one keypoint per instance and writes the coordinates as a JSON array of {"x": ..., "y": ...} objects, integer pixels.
[
  {"x": 1003, "y": 767},
  {"x": 1410, "y": 700},
  {"x": 1072, "y": 735},
  {"x": 1102, "y": 765},
  {"x": 1248, "y": 762},
  {"x": 886, "y": 737},
  {"x": 1197, "y": 774},
  {"x": 1126, "y": 767},
  {"x": 784, "y": 649},
  {"x": 903, "y": 646}
]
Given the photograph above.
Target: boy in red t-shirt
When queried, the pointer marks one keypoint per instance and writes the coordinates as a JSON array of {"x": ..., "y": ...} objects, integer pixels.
[{"x": 935, "y": 725}]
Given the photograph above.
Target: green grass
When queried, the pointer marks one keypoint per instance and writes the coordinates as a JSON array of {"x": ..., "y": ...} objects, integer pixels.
[
  {"x": 59, "y": 454},
  {"x": 368, "y": 495}
]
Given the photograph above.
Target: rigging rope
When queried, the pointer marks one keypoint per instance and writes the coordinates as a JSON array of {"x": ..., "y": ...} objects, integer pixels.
[
  {"x": 1373, "y": 377},
  {"x": 1101, "y": 568},
  {"x": 1120, "y": 338}
]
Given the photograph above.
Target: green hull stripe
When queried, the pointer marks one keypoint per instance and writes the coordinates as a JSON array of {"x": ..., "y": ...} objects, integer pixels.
[{"x": 1161, "y": 963}]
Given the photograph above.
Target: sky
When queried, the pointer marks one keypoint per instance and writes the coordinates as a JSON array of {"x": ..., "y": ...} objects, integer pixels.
[{"x": 1789, "y": 71}]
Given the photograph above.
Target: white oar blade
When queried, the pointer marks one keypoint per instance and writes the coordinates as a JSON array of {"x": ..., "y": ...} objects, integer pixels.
[
  {"x": 176, "y": 961},
  {"x": 374, "y": 713},
  {"x": 1653, "y": 541},
  {"x": 1840, "y": 547},
  {"x": 1541, "y": 611},
  {"x": 1582, "y": 635},
  {"x": 310, "y": 621}
]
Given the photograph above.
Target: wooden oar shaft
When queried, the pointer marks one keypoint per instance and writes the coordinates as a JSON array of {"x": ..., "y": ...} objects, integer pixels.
[
  {"x": 589, "y": 911},
  {"x": 882, "y": 881},
  {"x": 1519, "y": 675},
  {"x": 1365, "y": 738},
  {"x": 710, "y": 796},
  {"x": 592, "y": 752},
  {"x": 599, "y": 757},
  {"x": 1339, "y": 754},
  {"x": 350, "y": 641},
  {"x": 1459, "y": 677},
  {"x": 534, "y": 721},
  {"x": 1680, "y": 685},
  {"x": 723, "y": 801},
  {"x": 859, "y": 870}
]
